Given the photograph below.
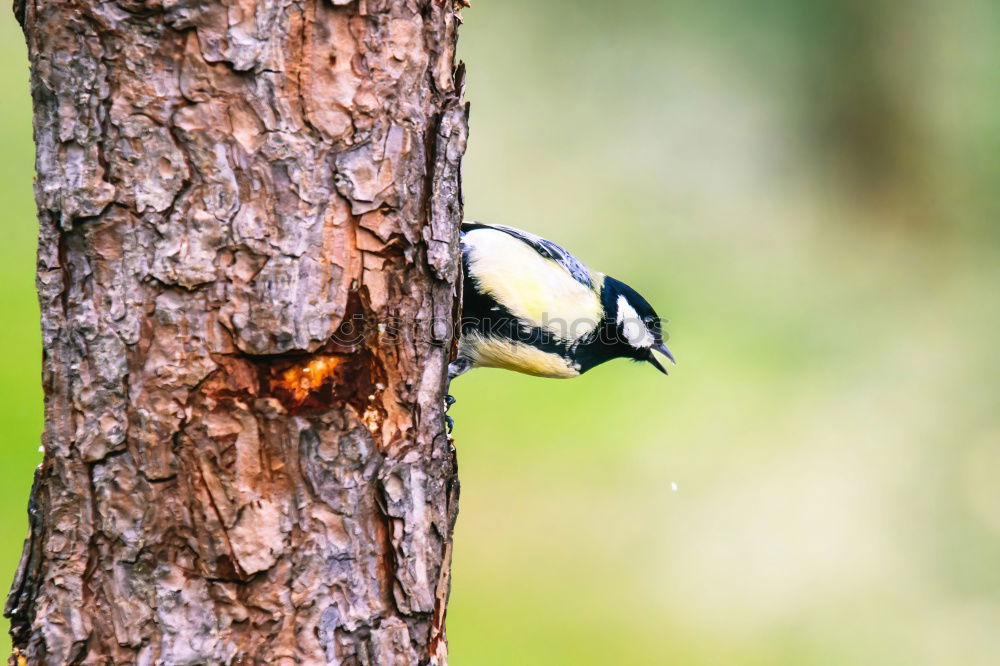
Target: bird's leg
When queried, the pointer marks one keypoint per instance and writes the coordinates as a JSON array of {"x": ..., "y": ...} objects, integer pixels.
[
  {"x": 455, "y": 368},
  {"x": 459, "y": 366}
]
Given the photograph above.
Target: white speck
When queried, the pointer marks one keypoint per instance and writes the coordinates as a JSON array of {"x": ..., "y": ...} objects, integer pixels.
[
  {"x": 41, "y": 449},
  {"x": 673, "y": 486}
]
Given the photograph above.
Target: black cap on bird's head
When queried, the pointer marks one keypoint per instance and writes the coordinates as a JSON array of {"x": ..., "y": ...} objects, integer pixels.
[{"x": 632, "y": 326}]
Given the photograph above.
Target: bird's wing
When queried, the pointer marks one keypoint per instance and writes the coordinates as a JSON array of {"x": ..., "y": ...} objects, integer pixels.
[
  {"x": 576, "y": 268},
  {"x": 540, "y": 287}
]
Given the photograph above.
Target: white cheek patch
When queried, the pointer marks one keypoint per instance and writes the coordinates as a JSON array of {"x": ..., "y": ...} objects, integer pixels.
[{"x": 635, "y": 331}]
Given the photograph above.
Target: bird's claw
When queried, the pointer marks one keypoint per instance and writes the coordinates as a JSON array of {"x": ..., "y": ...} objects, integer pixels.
[{"x": 449, "y": 400}]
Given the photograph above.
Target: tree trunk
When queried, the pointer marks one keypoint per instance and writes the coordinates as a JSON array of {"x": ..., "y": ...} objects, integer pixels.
[{"x": 248, "y": 265}]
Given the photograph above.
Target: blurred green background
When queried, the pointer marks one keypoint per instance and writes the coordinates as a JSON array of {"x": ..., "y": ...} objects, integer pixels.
[{"x": 810, "y": 192}]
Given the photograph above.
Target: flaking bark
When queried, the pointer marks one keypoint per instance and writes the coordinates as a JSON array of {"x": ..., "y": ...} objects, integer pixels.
[{"x": 232, "y": 474}]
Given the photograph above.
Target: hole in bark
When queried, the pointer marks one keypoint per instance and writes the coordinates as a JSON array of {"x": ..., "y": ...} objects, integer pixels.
[
  {"x": 312, "y": 383},
  {"x": 315, "y": 383},
  {"x": 337, "y": 374}
]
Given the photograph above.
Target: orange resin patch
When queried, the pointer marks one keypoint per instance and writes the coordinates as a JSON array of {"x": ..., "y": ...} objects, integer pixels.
[{"x": 299, "y": 381}]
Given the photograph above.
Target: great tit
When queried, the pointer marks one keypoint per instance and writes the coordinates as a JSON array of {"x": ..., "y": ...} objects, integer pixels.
[{"x": 530, "y": 306}]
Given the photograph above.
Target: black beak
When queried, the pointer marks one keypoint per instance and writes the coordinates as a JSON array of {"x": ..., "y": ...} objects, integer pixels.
[{"x": 661, "y": 348}]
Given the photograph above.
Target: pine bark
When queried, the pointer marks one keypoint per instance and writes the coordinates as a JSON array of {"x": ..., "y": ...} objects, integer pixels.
[{"x": 248, "y": 276}]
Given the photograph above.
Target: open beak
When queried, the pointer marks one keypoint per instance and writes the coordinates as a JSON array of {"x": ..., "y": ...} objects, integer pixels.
[{"x": 662, "y": 349}]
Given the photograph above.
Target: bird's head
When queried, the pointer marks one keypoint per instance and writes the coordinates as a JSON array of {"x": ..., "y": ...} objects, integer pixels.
[{"x": 632, "y": 328}]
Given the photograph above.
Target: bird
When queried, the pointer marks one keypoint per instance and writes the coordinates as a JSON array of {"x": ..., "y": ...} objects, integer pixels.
[{"x": 530, "y": 306}]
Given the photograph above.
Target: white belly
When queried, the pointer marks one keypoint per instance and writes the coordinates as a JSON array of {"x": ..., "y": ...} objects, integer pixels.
[{"x": 519, "y": 357}]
